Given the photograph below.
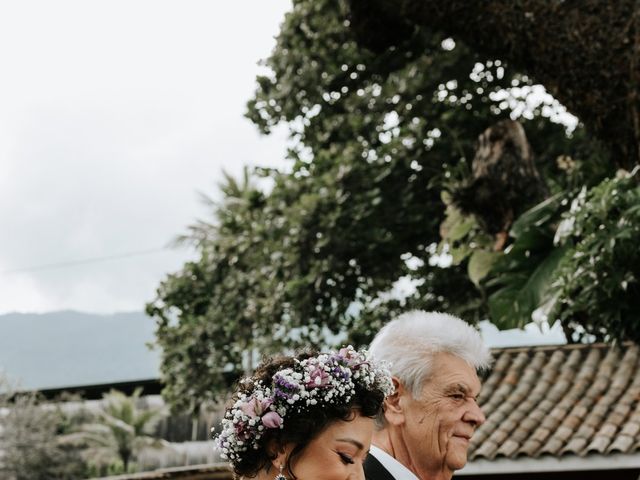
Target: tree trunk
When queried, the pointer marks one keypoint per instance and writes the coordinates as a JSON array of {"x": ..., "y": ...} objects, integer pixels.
[{"x": 505, "y": 180}]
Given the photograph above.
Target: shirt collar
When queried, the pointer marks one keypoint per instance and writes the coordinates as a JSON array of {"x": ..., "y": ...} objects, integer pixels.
[{"x": 395, "y": 468}]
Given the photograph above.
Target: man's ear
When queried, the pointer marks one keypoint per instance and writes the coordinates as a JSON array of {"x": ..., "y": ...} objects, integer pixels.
[{"x": 393, "y": 404}]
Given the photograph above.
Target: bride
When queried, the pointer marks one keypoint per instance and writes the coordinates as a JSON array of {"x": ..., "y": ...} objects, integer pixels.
[{"x": 307, "y": 417}]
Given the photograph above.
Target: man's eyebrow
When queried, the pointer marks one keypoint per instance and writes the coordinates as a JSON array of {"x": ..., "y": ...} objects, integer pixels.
[
  {"x": 356, "y": 443},
  {"x": 458, "y": 387},
  {"x": 461, "y": 388}
]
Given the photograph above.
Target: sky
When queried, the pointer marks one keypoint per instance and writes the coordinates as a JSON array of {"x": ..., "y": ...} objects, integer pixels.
[{"x": 114, "y": 115}]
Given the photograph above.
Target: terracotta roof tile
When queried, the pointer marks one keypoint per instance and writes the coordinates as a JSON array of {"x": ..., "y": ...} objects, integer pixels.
[
  {"x": 621, "y": 444},
  {"x": 541, "y": 434},
  {"x": 508, "y": 448},
  {"x": 630, "y": 429},
  {"x": 563, "y": 433},
  {"x": 585, "y": 431},
  {"x": 487, "y": 450},
  {"x": 572, "y": 421},
  {"x": 557, "y": 400},
  {"x": 609, "y": 430},
  {"x": 617, "y": 417},
  {"x": 529, "y": 424},
  {"x": 551, "y": 447},
  {"x": 598, "y": 445},
  {"x": 529, "y": 449},
  {"x": 576, "y": 445}
]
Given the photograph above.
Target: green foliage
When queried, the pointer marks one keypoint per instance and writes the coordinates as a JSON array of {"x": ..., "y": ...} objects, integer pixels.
[
  {"x": 521, "y": 278},
  {"x": 598, "y": 282},
  {"x": 578, "y": 265},
  {"x": 377, "y": 137},
  {"x": 31, "y": 441},
  {"x": 581, "y": 51},
  {"x": 376, "y": 140},
  {"x": 223, "y": 305}
]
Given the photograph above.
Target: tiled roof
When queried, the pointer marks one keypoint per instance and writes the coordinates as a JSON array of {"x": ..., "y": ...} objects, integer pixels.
[{"x": 560, "y": 400}]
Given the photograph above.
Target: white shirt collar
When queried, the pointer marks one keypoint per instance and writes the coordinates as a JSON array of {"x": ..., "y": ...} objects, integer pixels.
[{"x": 395, "y": 468}]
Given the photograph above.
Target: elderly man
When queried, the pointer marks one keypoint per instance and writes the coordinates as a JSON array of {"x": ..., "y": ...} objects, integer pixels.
[{"x": 428, "y": 422}]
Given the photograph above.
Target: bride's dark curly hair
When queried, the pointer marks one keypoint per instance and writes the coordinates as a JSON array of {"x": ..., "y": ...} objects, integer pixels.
[{"x": 299, "y": 428}]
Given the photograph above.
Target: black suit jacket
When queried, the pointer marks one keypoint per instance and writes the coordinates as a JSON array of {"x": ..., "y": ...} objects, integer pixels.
[{"x": 373, "y": 470}]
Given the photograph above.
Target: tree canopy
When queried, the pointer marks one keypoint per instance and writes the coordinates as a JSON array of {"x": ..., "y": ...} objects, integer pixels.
[
  {"x": 387, "y": 190},
  {"x": 586, "y": 53}
]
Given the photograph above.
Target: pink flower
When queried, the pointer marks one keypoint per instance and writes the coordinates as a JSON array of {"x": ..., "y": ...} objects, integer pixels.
[
  {"x": 318, "y": 377},
  {"x": 255, "y": 408},
  {"x": 351, "y": 357},
  {"x": 345, "y": 352},
  {"x": 242, "y": 431},
  {"x": 271, "y": 420}
]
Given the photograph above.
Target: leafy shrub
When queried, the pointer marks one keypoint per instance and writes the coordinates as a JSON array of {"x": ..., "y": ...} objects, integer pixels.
[
  {"x": 31, "y": 442},
  {"x": 597, "y": 285}
]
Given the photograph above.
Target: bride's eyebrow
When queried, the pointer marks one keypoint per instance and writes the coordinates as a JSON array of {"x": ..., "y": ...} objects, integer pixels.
[{"x": 353, "y": 442}]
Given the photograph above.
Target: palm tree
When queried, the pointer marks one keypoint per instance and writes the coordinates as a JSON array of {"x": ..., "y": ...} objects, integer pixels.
[{"x": 120, "y": 430}]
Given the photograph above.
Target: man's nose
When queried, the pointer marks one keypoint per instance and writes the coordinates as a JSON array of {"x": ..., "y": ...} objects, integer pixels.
[{"x": 474, "y": 414}]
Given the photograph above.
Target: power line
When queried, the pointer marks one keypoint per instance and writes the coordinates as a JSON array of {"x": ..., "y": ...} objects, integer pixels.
[{"x": 85, "y": 261}]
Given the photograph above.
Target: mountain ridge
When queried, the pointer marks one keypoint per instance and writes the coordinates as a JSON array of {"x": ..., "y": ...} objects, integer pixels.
[{"x": 71, "y": 348}]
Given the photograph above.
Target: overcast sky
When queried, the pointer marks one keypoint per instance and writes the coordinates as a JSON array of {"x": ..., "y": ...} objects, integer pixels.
[{"x": 113, "y": 115}]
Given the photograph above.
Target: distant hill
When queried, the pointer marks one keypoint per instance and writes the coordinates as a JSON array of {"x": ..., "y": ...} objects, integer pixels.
[
  {"x": 70, "y": 349},
  {"x": 62, "y": 349}
]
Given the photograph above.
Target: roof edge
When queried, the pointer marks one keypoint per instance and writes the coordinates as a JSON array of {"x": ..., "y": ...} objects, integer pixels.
[
  {"x": 547, "y": 463},
  {"x": 563, "y": 346}
]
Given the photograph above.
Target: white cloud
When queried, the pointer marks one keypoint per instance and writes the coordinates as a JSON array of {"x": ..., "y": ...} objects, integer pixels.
[{"x": 114, "y": 114}]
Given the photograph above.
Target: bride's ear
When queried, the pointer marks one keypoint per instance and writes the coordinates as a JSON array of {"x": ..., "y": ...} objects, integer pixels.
[{"x": 279, "y": 455}]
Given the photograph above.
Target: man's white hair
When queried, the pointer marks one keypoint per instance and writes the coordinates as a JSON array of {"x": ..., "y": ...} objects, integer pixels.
[{"x": 409, "y": 343}]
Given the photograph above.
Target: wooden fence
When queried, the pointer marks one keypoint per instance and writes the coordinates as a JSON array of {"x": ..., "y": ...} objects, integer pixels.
[{"x": 195, "y": 472}]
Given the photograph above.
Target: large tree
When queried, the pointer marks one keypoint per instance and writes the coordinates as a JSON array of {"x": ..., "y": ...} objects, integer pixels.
[
  {"x": 389, "y": 180},
  {"x": 586, "y": 53},
  {"x": 562, "y": 262}
]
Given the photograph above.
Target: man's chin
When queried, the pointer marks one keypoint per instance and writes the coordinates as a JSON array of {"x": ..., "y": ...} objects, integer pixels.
[{"x": 457, "y": 460}]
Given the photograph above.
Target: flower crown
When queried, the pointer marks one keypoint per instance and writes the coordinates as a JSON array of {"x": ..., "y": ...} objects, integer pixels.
[{"x": 328, "y": 378}]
